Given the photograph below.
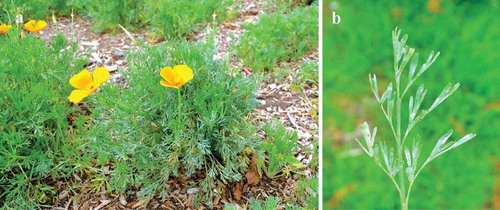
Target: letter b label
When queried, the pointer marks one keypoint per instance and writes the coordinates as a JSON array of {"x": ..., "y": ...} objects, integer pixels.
[{"x": 336, "y": 18}]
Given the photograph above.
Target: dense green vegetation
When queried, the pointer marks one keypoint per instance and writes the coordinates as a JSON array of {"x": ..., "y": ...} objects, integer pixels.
[
  {"x": 279, "y": 37},
  {"x": 167, "y": 18},
  {"x": 37, "y": 139}
]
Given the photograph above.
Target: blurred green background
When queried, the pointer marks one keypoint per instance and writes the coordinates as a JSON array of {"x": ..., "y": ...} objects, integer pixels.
[{"x": 468, "y": 35}]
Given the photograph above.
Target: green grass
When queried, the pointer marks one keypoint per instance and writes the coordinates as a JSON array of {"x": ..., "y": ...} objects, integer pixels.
[
  {"x": 278, "y": 37},
  {"x": 465, "y": 33}
]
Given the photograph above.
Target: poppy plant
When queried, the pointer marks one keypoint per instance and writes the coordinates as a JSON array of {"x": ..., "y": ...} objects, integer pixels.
[
  {"x": 35, "y": 26},
  {"x": 4, "y": 28},
  {"x": 87, "y": 84},
  {"x": 175, "y": 78}
]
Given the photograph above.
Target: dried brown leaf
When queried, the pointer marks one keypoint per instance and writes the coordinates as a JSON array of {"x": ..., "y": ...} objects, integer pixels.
[
  {"x": 252, "y": 177},
  {"x": 237, "y": 191}
]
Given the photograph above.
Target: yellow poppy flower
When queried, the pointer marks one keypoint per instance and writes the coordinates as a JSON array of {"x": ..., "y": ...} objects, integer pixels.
[
  {"x": 35, "y": 26},
  {"x": 4, "y": 28},
  {"x": 87, "y": 84},
  {"x": 177, "y": 76}
]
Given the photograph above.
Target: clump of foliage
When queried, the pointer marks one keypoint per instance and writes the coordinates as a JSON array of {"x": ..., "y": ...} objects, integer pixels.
[
  {"x": 270, "y": 203},
  {"x": 107, "y": 15},
  {"x": 176, "y": 19},
  {"x": 279, "y": 145},
  {"x": 278, "y": 37},
  {"x": 35, "y": 134},
  {"x": 37, "y": 9},
  {"x": 145, "y": 142},
  {"x": 307, "y": 193},
  {"x": 392, "y": 159},
  {"x": 306, "y": 76},
  {"x": 167, "y": 18}
]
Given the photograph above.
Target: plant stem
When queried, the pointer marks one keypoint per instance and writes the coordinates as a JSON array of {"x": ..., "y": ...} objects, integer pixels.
[
  {"x": 402, "y": 192},
  {"x": 178, "y": 113},
  {"x": 408, "y": 194},
  {"x": 72, "y": 25}
]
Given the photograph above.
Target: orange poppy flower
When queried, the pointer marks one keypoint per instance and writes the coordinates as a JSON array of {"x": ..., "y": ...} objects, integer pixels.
[
  {"x": 35, "y": 26},
  {"x": 434, "y": 6},
  {"x": 177, "y": 76},
  {"x": 4, "y": 28},
  {"x": 87, "y": 84}
]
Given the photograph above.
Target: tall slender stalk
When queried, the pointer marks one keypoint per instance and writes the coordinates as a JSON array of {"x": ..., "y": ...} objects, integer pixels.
[
  {"x": 394, "y": 164},
  {"x": 72, "y": 25},
  {"x": 402, "y": 188},
  {"x": 179, "y": 112}
]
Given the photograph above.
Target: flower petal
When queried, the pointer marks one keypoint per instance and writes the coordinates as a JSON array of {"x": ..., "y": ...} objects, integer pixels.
[
  {"x": 185, "y": 73},
  {"x": 4, "y": 28},
  {"x": 35, "y": 26},
  {"x": 82, "y": 80},
  {"x": 100, "y": 75},
  {"x": 168, "y": 74},
  {"x": 78, "y": 95},
  {"x": 30, "y": 25},
  {"x": 40, "y": 25},
  {"x": 166, "y": 84}
]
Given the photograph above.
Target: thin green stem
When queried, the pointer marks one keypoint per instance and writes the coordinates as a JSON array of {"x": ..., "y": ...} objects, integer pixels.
[
  {"x": 408, "y": 87},
  {"x": 408, "y": 129},
  {"x": 411, "y": 183},
  {"x": 399, "y": 141},
  {"x": 179, "y": 112},
  {"x": 72, "y": 25},
  {"x": 388, "y": 174},
  {"x": 409, "y": 191}
]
